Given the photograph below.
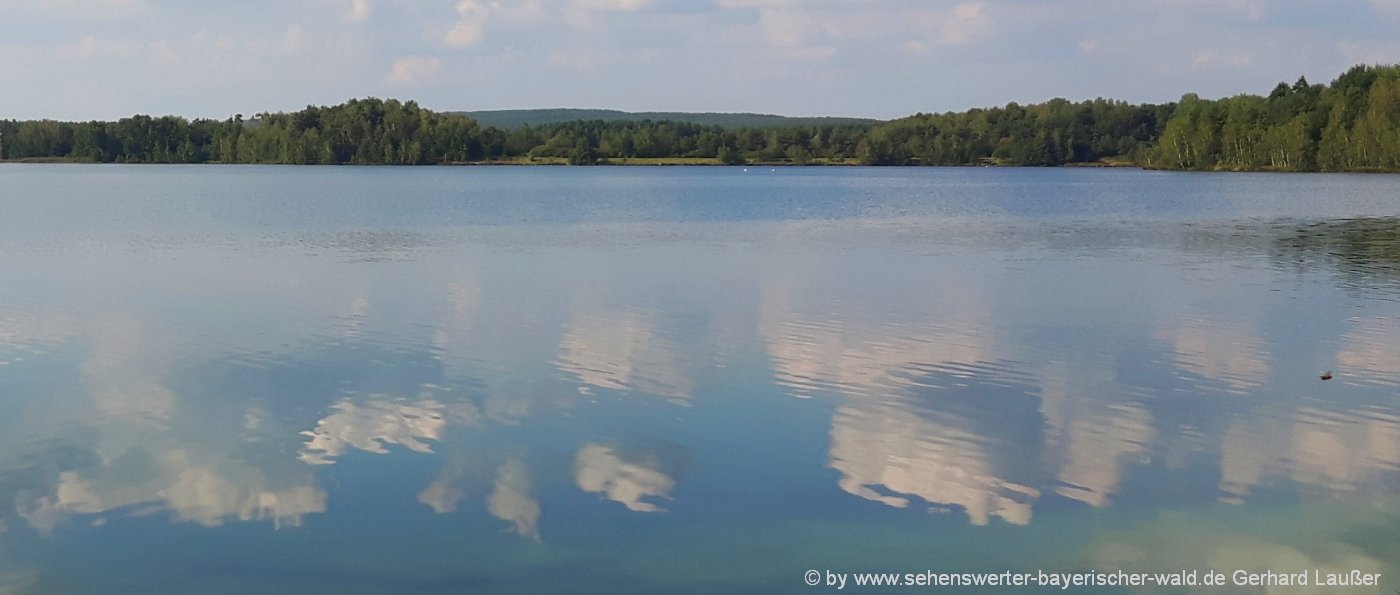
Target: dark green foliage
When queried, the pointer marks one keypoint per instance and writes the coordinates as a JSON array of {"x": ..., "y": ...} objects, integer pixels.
[
  {"x": 1052, "y": 133},
  {"x": 366, "y": 131},
  {"x": 519, "y": 118},
  {"x": 648, "y": 139},
  {"x": 1352, "y": 124}
]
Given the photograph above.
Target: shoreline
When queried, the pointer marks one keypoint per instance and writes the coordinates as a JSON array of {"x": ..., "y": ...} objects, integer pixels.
[{"x": 712, "y": 162}]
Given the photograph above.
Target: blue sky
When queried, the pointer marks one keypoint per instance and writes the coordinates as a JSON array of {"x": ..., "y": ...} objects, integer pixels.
[{"x": 83, "y": 59}]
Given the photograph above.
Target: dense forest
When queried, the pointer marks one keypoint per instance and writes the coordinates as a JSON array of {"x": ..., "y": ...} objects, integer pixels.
[
  {"x": 1353, "y": 124},
  {"x": 516, "y": 118}
]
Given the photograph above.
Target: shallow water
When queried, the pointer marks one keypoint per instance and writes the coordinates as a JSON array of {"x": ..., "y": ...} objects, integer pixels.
[{"x": 392, "y": 380}]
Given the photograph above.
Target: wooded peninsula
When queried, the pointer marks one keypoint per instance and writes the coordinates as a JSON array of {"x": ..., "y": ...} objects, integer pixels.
[{"x": 1352, "y": 124}]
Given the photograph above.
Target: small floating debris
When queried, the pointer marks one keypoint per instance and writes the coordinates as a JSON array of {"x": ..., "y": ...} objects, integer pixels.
[{"x": 1326, "y": 375}]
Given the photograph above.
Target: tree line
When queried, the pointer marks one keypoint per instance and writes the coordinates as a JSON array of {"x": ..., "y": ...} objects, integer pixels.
[{"x": 1351, "y": 124}]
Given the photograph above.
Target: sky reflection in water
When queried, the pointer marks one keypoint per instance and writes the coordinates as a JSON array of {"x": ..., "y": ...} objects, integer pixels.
[{"x": 655, "y": 379}]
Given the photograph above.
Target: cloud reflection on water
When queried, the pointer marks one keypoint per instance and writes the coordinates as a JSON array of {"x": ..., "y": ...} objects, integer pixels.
[
  {"x": 378, "y": 422},
  {"x": 1101, "y": 413},
  {"x": 1090, "y": 444},
  {"x": 209, "y": 493},
  {"x": 1370, "y": 352},
  {"x": 445, "y": 492},
  {"x": 601, "y": 469},
  {"x": 510, "y": 499},
  {"x": 1221, "y": 351},
  {"x": 936, "y": 382},
  {"x": 625, "y": 353}
]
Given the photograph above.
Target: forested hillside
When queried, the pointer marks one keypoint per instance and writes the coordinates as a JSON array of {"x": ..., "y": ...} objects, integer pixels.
[{"x": 1353, "y": 124}]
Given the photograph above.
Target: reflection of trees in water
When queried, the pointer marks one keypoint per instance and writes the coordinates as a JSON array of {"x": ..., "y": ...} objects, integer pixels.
[
  {"x": 279, "y": 395},
  {"x": 1366, "y": 252}
]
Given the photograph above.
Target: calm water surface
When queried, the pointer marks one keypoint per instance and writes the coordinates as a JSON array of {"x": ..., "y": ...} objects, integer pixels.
[{"x": 498, "y": 380}]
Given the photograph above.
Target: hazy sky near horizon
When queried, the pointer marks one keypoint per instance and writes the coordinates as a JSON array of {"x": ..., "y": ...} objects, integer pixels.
[{"x": 86, "y": 59}]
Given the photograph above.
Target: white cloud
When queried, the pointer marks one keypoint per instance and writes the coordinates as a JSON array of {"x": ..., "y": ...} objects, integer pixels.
[
  {"x": 884, "y": 454},
  {"x": 413, "y": 69},
  {"x": 1210, "y": 57},
  {"x": 624, "y": 353},
  {"x": 1093, "y": 444},
  {"x": 205, "y": 496},
  {"x": 601, "y": 470},
  {"x": 1252, "y": 10},
  {"x": 210, "y": 52},
  {"x": 1371, "y": 353},
  {"x": 613, "y": 5},
  {"x": 790, "y": 28},
  {"x": 754, "y": 3},
  {"x": 207, "y": 492},
  {"x": 358, "y": 12},
  {"x": 469, "y": 29},
  {"x": 463, "y": 34},
  {"x": 371, "y": 426},
  {"x": 863, "y": 357},
  {"x": 85, "y": 9},
  {"x": 708, "y": 53},
  {"x": 967, "y": 22},
  {"x": 511, "y": 500},
  {"x": 1220, "y": 350},
  {"x": 86, "y": 47},
  {"x": 474, "y": 17},
  {"x": 445, "y": 492},
  {"x": 292, "y": 39},
  {"x": 42, "y": 514}
]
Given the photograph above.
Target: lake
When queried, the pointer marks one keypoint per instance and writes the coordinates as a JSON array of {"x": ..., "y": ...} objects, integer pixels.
[{"x": 228, "y": 379}]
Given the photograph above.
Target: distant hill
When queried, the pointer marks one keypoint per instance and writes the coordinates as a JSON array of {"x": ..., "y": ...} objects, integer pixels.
[{"x": 516, "y": 118}]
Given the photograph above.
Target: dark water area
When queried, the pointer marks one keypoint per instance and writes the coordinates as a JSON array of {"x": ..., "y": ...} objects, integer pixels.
[{"x": 224, "y": 379}]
